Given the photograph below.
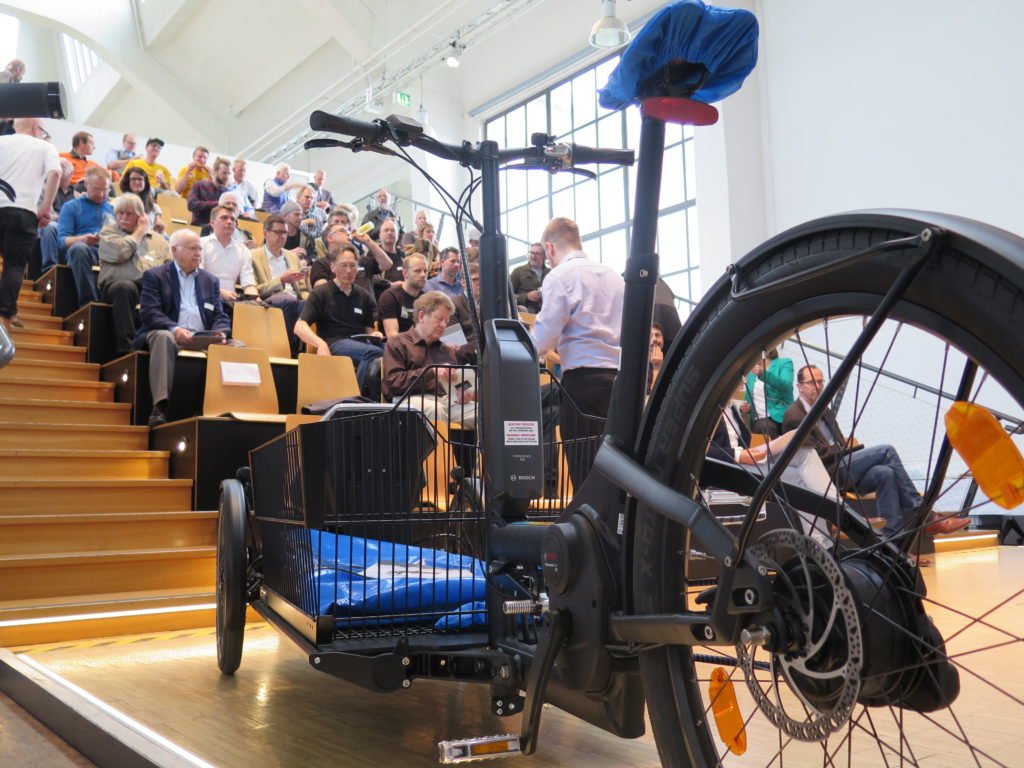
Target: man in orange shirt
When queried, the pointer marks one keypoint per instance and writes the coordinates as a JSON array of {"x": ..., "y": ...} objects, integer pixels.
[{"x": 82, "y": 145}]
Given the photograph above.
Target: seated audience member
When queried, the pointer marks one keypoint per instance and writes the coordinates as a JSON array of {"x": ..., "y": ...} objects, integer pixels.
[
  {"x": 177, "y": 300},
  {"x": 297, "y": 240},
  {"x": 49, "y": 249},
  {"x": 341, "y": 310},
  {"x": 205, "y": 195},
  {"x": 462, "y": 314},
  {"x": 527, "y": 279},
  {"x": 128, "y": 247},
  {"x": 78, "y": 231},
  {"x": 429, "y": 250},
  {"x": 382, "y": 213},
  {"x": 394, "y": 308},
  {"x": 339, "y": 234},
  {"x": 875, "y": 469},
  {"x": 409, "y": 355},
  {"x": 229, "y": 200},
  {"x": 656, "y": 357},
  {"x": 343, "y": 214},
  {"x": 313, "y": 219},
  {"x": 769, "y": 392},
  {"x": 666, "y": 312},
  {"x": 275, "y": 190},
  {"x": 117, "y": 158},
  {"x": 280, "y": 276},
  {"x": 82, "y": 145},
  {"x": 197, "y": 170},
  {"x": 228, "y": 259},
  {"x": 65, "y": 192},
  {"x": 384, "y": 269},
  {"x": 159, "y": 175},
  {"x": 136, "y": 181},
  {"x": 247, "y": 192},
  {"x": 449, "y": 279},
  {"x": 323, "y": 198},
  {"x": 322, "y": 269},
  {"x": 410, "y": 237}
]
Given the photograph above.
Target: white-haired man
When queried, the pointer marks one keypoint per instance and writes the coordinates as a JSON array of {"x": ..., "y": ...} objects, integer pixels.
[
  {"x": 275, "y": 191},
  {"x": 177, "y": 300}
]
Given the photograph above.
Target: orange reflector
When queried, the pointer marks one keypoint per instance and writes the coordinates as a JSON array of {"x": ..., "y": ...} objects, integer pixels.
[
  {"x": 493, "y": 748},
  {"x": 989, "y": 452},
  {"x": 727, "y": 712}
]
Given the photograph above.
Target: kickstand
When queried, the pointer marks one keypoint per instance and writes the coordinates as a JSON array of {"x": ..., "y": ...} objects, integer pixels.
[{"x": 548, "y": 645}]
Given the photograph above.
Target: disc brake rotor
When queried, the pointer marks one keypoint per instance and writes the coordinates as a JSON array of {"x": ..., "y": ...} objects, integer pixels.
[{"x": 810, "y": 688}]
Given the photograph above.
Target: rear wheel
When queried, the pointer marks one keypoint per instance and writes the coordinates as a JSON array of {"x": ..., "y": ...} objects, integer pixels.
[
  {"x": 231, "y": 576},
  {"x": 865, "y": 678}
]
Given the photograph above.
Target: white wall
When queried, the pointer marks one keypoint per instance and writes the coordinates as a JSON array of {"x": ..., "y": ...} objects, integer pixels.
[{"x": 898, "y": 104}]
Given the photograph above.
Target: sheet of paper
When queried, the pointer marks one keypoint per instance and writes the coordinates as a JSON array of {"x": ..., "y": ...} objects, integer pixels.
[{"x": 240, "y": 374}]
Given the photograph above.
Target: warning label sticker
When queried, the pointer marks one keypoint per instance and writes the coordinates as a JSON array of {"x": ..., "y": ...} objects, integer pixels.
[{"x": 522, "y": 433}]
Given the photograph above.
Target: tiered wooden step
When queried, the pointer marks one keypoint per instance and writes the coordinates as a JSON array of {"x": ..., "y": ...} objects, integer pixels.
[
  {"x": 29, "y": 368},
  {"x": 57, "y": 389},
  {"x": 78, "y": 437},
  {"x": 95, "y": 540},
  {"x": 41, "y": 336},
  {"x": 32, "y": 411}
]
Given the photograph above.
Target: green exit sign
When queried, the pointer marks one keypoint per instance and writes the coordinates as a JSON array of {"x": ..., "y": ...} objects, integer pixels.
[{"x": 404, "y": 99}]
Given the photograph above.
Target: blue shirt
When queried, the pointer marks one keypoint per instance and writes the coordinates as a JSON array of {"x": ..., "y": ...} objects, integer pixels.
[
  {"x": 437, "y": 283},
  {"x": 581, "y": 317},
  {"x": 189, "y": 315},
  {"x": 81, "y": 216}
]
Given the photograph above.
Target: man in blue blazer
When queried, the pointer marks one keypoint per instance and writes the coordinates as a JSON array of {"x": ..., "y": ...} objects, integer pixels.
[{"x": 177, "y": 299}]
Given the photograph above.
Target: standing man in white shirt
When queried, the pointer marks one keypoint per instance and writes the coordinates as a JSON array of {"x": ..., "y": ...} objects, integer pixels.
[
  {"x": 227, "y": 259},
  {"x": 28, "y": 165},
  {"x": 580, "y": 320}
]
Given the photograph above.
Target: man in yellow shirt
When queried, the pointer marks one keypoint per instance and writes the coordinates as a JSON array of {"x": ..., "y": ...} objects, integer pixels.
[
  {"x": 159, "y": 176},
  {"x": 195, "y": 171}
]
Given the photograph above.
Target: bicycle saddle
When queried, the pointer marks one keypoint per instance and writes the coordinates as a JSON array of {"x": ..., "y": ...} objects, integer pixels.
[{"x": 687, "y": 50}]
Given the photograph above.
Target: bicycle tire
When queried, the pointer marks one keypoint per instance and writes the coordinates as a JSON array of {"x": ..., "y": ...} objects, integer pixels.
[
  {"x": 231, "y": 576},
  {"x": 969, "y": 295}
]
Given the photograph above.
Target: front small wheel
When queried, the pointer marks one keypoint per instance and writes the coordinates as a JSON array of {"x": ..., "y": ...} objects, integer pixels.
[{"x": 231, "y": 570}]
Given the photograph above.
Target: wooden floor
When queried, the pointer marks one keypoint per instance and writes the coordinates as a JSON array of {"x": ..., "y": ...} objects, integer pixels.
[{"x": 278, "y": 711}]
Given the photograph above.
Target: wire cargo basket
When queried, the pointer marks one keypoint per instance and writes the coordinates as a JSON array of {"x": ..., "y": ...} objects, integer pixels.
[{"x": 365, "y": 528}]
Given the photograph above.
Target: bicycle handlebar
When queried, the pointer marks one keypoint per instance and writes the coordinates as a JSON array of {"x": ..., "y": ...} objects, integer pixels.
[
  {"x": 348, "y": 126},
  {"x": 552, "y": 156}
]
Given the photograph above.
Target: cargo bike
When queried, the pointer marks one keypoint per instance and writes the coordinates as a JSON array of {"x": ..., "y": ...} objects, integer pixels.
[{"x": 390, "y": 547}]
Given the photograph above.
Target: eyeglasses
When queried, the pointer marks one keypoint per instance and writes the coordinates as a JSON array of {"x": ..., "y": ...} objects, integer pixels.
[
  {"x": 347, "y": 265},
  {"x": 818, "y": 382},
  {"x": 277, "y": 231},
  {"x": 42, "y": 133}
]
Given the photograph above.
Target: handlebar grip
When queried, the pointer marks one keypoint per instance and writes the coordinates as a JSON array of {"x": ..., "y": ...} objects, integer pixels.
[
  {"x": 324, "y": 121},
  {"x": 582, "y": 155}
]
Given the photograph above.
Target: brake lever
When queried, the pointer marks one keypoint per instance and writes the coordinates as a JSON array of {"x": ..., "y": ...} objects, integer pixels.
[
  {"x": 549, "y": 168},
  {"x": 356, "y": 145}
]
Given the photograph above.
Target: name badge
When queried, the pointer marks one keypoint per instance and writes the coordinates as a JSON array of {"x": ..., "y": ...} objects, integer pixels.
[
  {"x": 208, "y": 306},
  {"x": 357, "y": 310},
  {"x": 406, "y": 313}
]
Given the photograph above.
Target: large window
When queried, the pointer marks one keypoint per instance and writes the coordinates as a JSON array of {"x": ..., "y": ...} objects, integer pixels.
[
  {"x": 602, "y": 208},
  {"x": 80, "y": 59}
]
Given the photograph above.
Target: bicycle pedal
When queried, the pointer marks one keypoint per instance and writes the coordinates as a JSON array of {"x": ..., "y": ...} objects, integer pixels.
[{"x": 481, "y": 748}]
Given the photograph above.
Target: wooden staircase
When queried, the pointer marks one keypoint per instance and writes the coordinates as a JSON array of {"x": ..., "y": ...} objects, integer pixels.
[{"x": 95, "y": 541}]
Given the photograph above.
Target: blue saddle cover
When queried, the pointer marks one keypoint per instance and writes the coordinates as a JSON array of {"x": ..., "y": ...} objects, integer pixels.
[{"x": 724, "y": 40}]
